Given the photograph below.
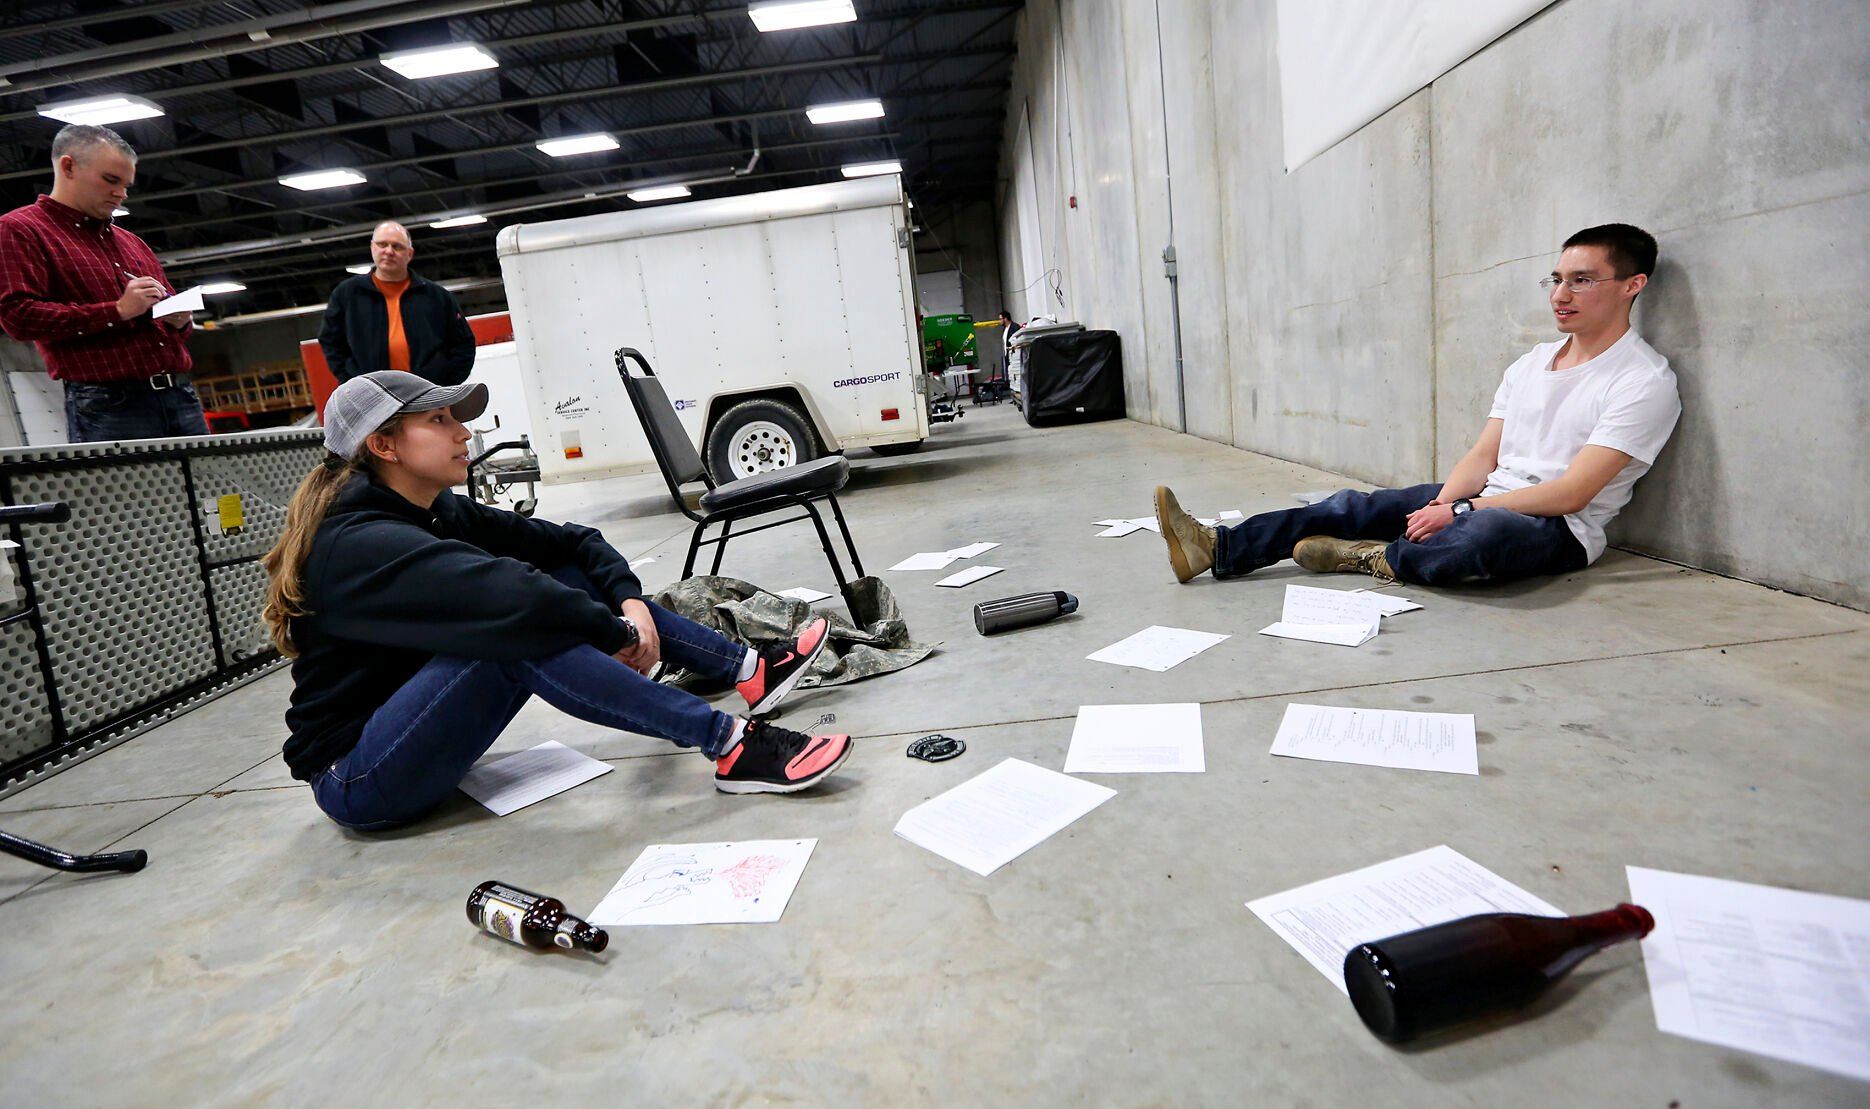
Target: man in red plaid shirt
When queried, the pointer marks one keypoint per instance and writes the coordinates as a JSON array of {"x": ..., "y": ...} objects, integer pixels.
[{"x": 81, "y": 288}]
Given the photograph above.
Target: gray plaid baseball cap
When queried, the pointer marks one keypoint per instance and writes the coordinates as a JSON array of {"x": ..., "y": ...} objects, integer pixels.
[{"x": 360, "y": 405}]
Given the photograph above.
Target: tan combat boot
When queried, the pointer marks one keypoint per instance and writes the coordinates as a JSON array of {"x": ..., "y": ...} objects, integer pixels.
[
  {"x": 1322, "y": 554},
  {"x": 1191, "y": 545}
]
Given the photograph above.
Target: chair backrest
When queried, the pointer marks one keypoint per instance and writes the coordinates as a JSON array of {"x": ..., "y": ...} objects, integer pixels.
[{"x": 675, "y": 455}]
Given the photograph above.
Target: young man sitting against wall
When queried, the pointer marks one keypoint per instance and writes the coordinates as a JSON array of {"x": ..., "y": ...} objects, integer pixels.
[{"x": 1574, "y": 423}]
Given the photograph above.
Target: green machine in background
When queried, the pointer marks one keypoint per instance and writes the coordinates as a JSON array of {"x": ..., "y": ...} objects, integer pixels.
[{"x": 948, "y": 342}]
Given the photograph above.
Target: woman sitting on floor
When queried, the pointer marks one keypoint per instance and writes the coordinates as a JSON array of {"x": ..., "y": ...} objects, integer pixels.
[{"x": 419, "y": 622}]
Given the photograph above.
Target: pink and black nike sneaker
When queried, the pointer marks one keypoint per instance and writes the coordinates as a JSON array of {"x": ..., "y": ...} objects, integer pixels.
[
  {"x": 770, "y": 759},
  {"x": 781, "y": 666}
]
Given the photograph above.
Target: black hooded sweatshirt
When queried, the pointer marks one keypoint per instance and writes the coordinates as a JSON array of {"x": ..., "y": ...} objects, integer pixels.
[{"x": 389, "y": 586}]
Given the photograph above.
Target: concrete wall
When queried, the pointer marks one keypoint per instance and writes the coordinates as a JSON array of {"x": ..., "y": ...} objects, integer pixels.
[{"x": 1357, "y": 313}]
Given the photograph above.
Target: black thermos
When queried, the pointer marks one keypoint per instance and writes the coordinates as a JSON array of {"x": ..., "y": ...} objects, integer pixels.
[{"x": 1022, "y": 611}]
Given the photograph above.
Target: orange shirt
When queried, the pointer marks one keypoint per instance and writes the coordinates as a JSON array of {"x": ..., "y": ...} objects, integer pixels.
[{"x": 393, "y": 298}]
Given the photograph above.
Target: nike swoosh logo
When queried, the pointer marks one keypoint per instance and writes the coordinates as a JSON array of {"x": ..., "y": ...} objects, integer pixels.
[
  {"x": 789, "y": 657},
  {"x": 808, "y": 752}
]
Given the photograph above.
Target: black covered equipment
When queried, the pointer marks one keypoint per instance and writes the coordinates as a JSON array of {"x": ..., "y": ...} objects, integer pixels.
[{"x": 1074, "y": 378}]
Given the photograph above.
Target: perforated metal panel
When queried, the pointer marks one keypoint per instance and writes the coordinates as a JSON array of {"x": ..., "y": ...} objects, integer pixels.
[
  {"x": 264, "y": 482},
  {"x": 120, "y": 589},
  {"x": 25, "y": 714}
]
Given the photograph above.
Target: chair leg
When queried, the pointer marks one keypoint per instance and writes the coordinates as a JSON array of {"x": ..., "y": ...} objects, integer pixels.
[
  {"x": 857, "y": 564},
  {"x": 831, "y": 556},
  {"x": 694, "y": 548},
  {"x": 720, "y": 550}
]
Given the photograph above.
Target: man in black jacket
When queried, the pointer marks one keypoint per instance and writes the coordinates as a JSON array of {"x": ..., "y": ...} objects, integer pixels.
[{"x": 391, "y": 319}]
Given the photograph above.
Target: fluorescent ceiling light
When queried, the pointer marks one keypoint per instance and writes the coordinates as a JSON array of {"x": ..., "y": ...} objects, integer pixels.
[
  {"x": 119, "y": 213},
  {"x": 213, "y": 287},
  {"x": 658, "y": 192},
  {"x": 784, "y": 15},
  {"x": 872, "y": 169},
  {"x": 100, "y": 110},
  {"x": 361, "y": 267},
  {"x": 468, "y": 220},
  {"x": 845, "y": 112},
  {"x": 322, "y": 179},
  {"x": 461, "y": 57},
  {"x": 577, "y": 144}
]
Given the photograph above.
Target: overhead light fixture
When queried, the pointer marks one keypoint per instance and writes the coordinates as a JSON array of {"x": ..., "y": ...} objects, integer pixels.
[
  {"x": 440, "y": 61},
  {"x": 119, "y": 213},
  {"x": 100, "y": 110},
  {"x": 658, "y": 192},
  {"x": 784, "y": 15},
  {"x": 361, "y": 267},
  {"x": 872, "y": 169},
  {"x": 845, "y": 112},
  {"x": 322, "y": 179},
  {"x": 468, "y": 220},
  {"x": 577, "y": 144},
  {"x": 214, "y": 287}
]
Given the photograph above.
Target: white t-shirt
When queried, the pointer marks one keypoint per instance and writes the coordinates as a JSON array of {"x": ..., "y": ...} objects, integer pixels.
[{"x": 1624, "y": 399}]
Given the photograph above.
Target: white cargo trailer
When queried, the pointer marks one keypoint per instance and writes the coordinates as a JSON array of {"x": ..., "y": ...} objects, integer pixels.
[{"x": 782, "y": 325}]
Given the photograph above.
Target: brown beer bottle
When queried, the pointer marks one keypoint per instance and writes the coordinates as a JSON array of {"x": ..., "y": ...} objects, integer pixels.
[
  {"x": 531, "y": 920},
  {"x": 1447, "y": 974}
]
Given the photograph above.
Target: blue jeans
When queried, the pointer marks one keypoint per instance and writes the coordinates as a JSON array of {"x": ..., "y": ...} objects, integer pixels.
[
  {"x": 417, "y": 747},
  {"x": 108, "y": 411},
  {"x": 1493, "y": 544}
]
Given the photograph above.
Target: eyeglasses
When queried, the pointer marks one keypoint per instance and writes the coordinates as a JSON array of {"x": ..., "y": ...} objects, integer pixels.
[{"x": 1583, "y": 283}]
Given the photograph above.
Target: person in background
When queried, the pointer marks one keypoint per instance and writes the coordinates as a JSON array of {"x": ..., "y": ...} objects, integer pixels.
[
  {"x": 1574, "y": 424},
  {"x": 394, "y": 319},
  {"x": 81, "y": 288},
  {"x": 420, "y": 622}
]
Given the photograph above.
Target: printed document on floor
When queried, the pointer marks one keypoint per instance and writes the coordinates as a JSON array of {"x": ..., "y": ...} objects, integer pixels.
[
  {"x": 1338, "y": 616},
  {"x": 969, "y": 576},
  {"x": 804, "y": 594},
  {"x": 1157, "y": 648},
  {"x": 1774, "y": 971},
  {"x": 1441, "y": 741},
  {"x": 509, "y": 783},
  {"x": 973, "y": 550},
  {"x": 1137, "y": 739},
  {"x": 997, "y": 816},
  {"x": 1324, "y": 920},
  {"x": 927, "y": 560},
  {"x": 749, "y": 882}
]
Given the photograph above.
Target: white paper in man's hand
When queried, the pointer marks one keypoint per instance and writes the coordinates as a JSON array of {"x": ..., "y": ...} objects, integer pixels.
[
  {"x": 998, "y": 815},
  {"x": 188, "y": 300},
  {"x": 1323, "y": 921},
  {"x": 1137, "y": 739},
  {"x": 1157, "y": 648},
  {"x": 1779, "y": 972},
  {"x": 1441, "y": 741},
  {"x": 508, "y": 784}
]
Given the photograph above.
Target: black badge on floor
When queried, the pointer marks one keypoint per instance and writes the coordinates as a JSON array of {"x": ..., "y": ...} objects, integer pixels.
[{"x": 936, "y": 748}]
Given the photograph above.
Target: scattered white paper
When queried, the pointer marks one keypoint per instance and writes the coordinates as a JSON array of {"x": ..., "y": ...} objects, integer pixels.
[
  {"x": 644, "y": 561},
  {"x": 1773, "y": 971},
  {"x": 1441, "y": 741},
  {"x": 1157, "y": 648},
  {"x": 188, "y": 300},
  {"x": 1118, "y": 529},
  {"x": 969, "y": 576},
  {"x": 1233, "y": 514},
  {"x": 1313, "y": 497},
  {"x": 1344, "y": 617},
  {"x": 809, "y": 596},
  {"x": 1391, "y": 605},
  {"x": 1323, "y": 921},
  {"x": 509, "y": 783},
  {"x": 927, "y": 560},
  {"x": 1137, "y": 739},
  {"x": 997, "y": 816},
  {"x": 748, "y": 882},
  {"x": 973, "y": 550}
]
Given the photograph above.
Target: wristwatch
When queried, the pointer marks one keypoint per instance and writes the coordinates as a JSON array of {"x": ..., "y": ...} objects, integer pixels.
[{"x": 1463, "y": 506}]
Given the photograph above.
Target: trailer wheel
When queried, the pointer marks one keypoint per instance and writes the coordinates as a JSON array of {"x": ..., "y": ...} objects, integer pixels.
[
  {"x": 890, "y": 450},
  {"x": 756, "y": 436}
]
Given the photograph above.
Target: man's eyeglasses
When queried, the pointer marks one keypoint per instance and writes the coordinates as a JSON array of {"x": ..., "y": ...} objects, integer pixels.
[{"x": 1583, "y": 283}]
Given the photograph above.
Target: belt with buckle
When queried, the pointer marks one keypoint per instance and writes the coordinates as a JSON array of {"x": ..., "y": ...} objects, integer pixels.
[{"x": 163, "y": 381}]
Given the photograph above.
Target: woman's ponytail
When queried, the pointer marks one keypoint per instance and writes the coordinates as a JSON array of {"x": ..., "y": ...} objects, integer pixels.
[{"x": 310, "y": 504}]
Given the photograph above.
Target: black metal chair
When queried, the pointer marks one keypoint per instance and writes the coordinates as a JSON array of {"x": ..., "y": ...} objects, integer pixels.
[{"x": 725, "y": 502}]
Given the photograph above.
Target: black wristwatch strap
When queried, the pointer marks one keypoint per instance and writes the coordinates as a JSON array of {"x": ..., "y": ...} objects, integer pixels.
[{"x": 1463, "y": 506}]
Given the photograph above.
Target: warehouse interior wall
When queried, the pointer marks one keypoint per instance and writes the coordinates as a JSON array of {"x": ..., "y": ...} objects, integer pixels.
[{"x": 1357, "y": 313}]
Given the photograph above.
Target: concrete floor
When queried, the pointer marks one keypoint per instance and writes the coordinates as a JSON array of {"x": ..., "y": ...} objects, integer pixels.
[{"x": 1637, "y": 713}]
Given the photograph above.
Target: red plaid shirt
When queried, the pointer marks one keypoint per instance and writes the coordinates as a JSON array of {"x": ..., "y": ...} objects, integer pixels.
[{"x": 61, "y": 273}]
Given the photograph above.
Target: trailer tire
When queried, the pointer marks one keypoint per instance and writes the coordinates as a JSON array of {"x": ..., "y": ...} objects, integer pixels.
[
  {"x": 891, "y": 450},
  {"x": 756, "y": 436}
]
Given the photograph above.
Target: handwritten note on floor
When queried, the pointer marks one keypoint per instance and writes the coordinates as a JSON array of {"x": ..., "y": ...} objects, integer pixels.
[
  {"x": 1157, "y": 648},
  {"x": 509, "y": 783},
  {"x": 749, "y": 882},
  {"x": 1441, "y": 741}
]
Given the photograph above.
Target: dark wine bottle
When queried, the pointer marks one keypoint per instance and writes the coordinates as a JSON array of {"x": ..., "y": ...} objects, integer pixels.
[
  {"x": 531, "y": 920},
  {"x": 1447, "y": 974}
]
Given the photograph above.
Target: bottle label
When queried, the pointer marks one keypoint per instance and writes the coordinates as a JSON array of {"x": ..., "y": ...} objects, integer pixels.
[{"x": 502, "y": 918}]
